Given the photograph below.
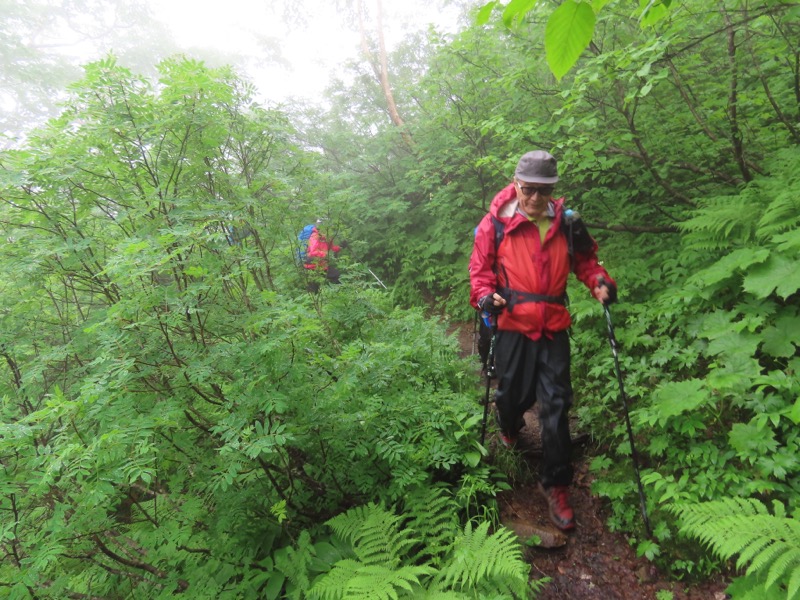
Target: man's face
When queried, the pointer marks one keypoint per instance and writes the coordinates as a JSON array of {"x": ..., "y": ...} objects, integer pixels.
[{"x": 533, "y": 197}]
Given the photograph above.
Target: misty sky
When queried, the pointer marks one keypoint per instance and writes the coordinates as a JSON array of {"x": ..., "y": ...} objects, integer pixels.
[
  {"x": 241, "y": 27},
  {"x": 286, "y": 48},
  {"x": 314, "y": 49}
]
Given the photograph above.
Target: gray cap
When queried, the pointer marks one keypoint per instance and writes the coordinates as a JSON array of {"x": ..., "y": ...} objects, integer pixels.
[{"x": 537, "y": 166}]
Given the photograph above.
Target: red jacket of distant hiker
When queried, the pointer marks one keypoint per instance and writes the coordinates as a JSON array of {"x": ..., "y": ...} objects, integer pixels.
[
  {"x": 524, "y": 263},
  {"x": 318, "y": 249}
]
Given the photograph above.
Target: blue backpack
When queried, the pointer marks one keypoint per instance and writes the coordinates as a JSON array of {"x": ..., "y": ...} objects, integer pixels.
[{"x": 303, "y": 237}]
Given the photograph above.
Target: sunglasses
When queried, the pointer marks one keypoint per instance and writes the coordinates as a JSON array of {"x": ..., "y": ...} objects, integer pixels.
[{"x": 544, "y": 190}]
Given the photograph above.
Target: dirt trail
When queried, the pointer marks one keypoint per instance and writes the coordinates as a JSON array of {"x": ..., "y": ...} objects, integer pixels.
[{"x": 590, "y": 563}]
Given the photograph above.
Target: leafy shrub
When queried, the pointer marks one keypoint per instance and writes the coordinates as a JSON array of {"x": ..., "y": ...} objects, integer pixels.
[
  {"x": 714, "y": 394},
  {"x": 176, "y": 406}
]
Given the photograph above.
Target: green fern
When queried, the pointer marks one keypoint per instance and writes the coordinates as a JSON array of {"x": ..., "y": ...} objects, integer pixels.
[
  {"x": 783, "y": 189},
  {"x": 374, "y": 533},
  {"x": 422, "y": 553},
  {"x": 353, "y": 579},
  {"x": 722, "y": 223},
  {"x": 294, "y": 563},
  {"x": 478, "y": 556},
  {"x": 430, "y": 510},
  {"x": 769, "y": 543},
  {"x": 782, "y": 214}
]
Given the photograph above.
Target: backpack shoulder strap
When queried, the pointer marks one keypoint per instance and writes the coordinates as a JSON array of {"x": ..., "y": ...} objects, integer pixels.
[
  {"x": 578, "y": 237},
  {"x": 499, "y": 232}
]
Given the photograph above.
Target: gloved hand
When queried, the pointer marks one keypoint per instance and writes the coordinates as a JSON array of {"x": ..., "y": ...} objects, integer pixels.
[
  {"x": 487, "y": 304},
  {"x": 612, "y": 290}
]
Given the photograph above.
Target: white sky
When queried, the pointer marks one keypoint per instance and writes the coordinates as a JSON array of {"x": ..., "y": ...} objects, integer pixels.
[{"x": 316, "y": 49}]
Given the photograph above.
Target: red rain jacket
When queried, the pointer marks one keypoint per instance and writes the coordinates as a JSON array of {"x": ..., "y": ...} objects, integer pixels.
[
  {"x": 318, "y": 248},
  {"x": 525, "y": 264}
]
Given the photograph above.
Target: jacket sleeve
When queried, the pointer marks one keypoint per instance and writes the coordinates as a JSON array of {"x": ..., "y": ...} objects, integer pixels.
[
  {"x": 588, "y": 269},
  {"x": 482, "y": 277}
]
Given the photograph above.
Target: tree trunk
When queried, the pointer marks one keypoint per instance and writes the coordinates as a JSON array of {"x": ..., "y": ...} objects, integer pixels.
[{"x": 381, "y": 67}]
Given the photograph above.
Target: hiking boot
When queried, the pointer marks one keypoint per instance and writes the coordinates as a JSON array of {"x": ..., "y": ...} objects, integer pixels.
[
  {"x": 518, "y": 425},
  {"x": 509, "y": 441},
  {"x": 561, "y": 513}
]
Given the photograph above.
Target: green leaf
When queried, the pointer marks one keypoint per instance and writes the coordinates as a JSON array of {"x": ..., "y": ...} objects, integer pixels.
[
  {"x": 533, "y": 541},
  {"x": 729, "y": 264},
  {"x": 779, "y": 274},
  {"x": 274, "y": 586},
  {"x": 195, "y": 271},
  {"x": 19, "y": 592},
  {"x": 485, "y": 12},
  {"x": 515, "y": 10},
  {"x": 751, "y": 441},
  {"x": 781, "y": 339},
  {"x": 136, "y": 247},
  {"x": 733, "y": 343},
  {"x": 598, "y": 5},
  {"x": 794, "y": 415},
  {"x": 568, "y": 33},
  {"x": 789, "y": 241},
  {"x": 653, "y": 11},
  {"x": 472, "y": 458},
  {"x": 679, "y": 397}
]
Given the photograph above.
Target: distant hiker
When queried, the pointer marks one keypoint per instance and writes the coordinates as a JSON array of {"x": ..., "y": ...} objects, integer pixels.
[
  {"x": 522, "y": 256},
  {"x": 317, "y": 255}
]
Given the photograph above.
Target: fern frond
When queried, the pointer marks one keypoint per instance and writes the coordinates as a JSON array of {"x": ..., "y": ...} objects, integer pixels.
[
  {"x": 333, "y": 584},
  {"x": 432, "y": 513},
  {"x": 374, "y": 533},
  {"x": 747, "y": 549},
  {"x": 382, "y": 583},
  {"x": 721, "y": 220},
  {"x": 782, "y": 214},
  {"x": 349, "y": 524},
  {"x": 478, "y": 556},
  {"x": 783, "y": 565},
  {"x": 793, "y": 587},
  {"x": 391, "y": 564},
  {"x": 769, "y": 543},
  {"x": 293, "y": 562}
]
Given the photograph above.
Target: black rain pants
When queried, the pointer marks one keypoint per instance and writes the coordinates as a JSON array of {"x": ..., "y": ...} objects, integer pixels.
[{"x": 529, "y": 371}]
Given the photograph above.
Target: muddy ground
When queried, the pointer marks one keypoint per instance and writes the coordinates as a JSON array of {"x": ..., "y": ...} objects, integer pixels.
[{"x": 590, "y": 563}]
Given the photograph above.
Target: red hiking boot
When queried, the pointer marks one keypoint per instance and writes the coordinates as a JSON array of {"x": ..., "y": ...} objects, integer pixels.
[
  {"x": 561, "y": 513},
  {"x": 509, "y": 441}
]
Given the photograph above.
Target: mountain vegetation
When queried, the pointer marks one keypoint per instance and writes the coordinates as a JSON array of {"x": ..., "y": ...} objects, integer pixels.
[{"x": 181, "y": 415}]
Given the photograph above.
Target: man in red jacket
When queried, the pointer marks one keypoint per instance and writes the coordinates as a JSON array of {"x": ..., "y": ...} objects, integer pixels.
[{"x": 522, "y": 256}]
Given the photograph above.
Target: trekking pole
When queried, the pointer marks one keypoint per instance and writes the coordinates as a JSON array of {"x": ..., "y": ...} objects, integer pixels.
[
  {"x": 614, "y": 346},
  {"x": 376, "y": 277},
  {"x": 491, "y": 373},
  {"x": 475, "y": 330}
]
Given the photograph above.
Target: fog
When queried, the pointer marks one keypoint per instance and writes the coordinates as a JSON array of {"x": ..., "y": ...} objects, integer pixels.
[{"x": 289, "y": 49}]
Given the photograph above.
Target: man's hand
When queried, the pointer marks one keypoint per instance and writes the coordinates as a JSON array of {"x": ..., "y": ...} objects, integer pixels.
[
  {"x": 604, "y": 291},
  {"x": 492, "y": 303}
]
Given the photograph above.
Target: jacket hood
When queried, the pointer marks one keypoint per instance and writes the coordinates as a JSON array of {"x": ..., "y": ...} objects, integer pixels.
[
  {"x": 504, "y": 197},
  {"x": 503, "y": 208}
]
